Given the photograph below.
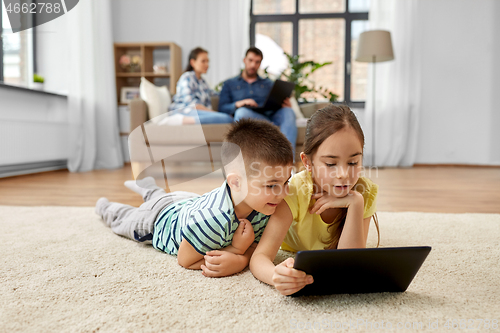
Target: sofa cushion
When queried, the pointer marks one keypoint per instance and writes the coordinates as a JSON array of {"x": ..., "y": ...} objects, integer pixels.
[
  {"x": 296, "y": 108},
  {"x": 214, "y": 100},
  {"x": 308, "y": 109},
  {"x": 186, "y": 134},
  {"x": 194, "y": 134},
  {"x": 157, "y": 98}
]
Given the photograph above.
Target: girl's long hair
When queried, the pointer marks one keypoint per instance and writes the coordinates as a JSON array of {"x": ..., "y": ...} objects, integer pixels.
[
  {"x": 192, "y": 56},
  {"x": 320, "y": 126}
]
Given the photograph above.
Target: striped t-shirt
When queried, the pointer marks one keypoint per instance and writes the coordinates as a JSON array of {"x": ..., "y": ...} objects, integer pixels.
[{"x": 207, "y": 222}]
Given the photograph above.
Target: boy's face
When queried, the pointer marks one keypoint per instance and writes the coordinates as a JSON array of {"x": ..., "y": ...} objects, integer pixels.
[{"x": 267, "y": 186}]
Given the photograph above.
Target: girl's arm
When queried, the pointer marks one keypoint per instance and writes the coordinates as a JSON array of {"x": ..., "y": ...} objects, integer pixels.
[
  {"x": 284, "y": 277},
  {"x": 354, "y": 235},
  {"x": 355, "y": 230},
  {"x": 366, "y": 227}
]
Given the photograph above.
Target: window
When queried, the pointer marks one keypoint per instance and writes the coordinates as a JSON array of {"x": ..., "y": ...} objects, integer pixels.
[
  {"x": 318, "y": 30},
  {"x": 16, "y": 53}
]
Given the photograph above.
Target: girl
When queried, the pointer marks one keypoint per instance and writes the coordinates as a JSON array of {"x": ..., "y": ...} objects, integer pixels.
[
  {"x": 329, "y": 206},
  {"x": 193, "y": 97}
]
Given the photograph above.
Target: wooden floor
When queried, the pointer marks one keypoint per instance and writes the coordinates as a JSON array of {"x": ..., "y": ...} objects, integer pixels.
[{"x": 422, "y": 189}]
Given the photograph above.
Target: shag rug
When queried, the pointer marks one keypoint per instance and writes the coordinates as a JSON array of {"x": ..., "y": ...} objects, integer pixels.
[{"x": 63, "y": 270}]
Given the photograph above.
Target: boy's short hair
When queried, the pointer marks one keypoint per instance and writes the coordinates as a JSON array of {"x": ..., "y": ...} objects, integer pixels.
[
  {"x": 256, "y": 51},
  {"x": 259, "y": 141}
]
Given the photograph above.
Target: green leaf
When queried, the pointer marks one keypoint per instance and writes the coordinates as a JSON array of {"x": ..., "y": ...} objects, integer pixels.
[
  {"x": 299, "y": 73},
  {"x": 38, "y": 78}
]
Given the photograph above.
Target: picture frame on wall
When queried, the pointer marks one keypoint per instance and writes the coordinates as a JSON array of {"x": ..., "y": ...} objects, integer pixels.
[{"x": 127, "y": 94}]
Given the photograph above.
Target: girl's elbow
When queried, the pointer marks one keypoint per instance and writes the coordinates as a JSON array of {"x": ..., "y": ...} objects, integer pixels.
[
  {"x": 251, "y": 264},
  {"x": 257, "y": 261},
  {"x": 254, "y": 262}
]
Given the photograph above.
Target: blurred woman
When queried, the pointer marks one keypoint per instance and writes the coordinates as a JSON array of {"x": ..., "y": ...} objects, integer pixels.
[{"x": 193, "y": 97}]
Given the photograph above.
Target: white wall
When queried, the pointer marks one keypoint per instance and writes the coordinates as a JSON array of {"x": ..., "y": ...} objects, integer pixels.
[
  {"x": 459, "y": 119},
  {"x": 33, "y": 127},
  {"x": 495, "y": 88},
  {"x": 189, "y": 23}
]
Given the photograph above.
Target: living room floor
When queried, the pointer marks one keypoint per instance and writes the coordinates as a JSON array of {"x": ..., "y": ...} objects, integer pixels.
[{"x": 438, "y": 189}]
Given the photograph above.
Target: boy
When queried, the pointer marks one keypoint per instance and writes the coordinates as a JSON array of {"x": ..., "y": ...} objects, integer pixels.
[{"x": 257, "y": 161}]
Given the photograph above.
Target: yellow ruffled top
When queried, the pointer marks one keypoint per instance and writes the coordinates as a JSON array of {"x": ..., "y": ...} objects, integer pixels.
[{"x": 308, "y": 231}]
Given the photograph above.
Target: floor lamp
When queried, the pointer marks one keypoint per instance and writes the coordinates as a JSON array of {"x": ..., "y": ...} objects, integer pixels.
[{"x": 374, "y": 46}]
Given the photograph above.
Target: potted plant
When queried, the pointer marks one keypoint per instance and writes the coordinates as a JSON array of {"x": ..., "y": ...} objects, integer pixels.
[
  {"x": 298, "y": 73},
  {"x": 38, "y": 81}
]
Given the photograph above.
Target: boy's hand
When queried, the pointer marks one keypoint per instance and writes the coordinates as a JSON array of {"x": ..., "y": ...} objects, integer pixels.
[
  {"x": 243, "y": 236},
  {"x": 221, "y": 263},
  {"x": 325, "y": 201},
  {"x": 287, "y": 280}
]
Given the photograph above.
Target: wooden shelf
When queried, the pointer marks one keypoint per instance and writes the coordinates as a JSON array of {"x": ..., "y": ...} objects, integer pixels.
[
  {"x": 141, "y": 74},
  {"x": 150, "y": 54},
  {"x": 134, "y": 74},
  {"x": 157, "y": 74}
]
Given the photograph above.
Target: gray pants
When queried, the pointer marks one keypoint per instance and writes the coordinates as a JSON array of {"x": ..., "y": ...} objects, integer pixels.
[{"x": 138, "y": 223}]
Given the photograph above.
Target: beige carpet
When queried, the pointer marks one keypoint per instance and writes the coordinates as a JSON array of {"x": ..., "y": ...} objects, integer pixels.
[{"x": 62, "y": 270}]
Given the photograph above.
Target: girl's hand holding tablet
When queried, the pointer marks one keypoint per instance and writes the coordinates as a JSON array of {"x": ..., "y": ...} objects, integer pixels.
[{"x": 287, "y": 280}]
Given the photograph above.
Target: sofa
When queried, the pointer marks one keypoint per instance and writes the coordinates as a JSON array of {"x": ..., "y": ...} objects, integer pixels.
[{"x": 158, "y": 145}]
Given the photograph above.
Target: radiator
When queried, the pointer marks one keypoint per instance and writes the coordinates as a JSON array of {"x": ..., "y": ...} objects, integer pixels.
[{"x": 32, "y": 143}]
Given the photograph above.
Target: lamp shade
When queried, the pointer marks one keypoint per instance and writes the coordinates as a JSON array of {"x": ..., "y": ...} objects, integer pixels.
[{"x": 375, "y": 46}]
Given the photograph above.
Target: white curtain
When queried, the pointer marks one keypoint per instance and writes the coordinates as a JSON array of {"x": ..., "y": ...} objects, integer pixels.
[
  {"x": 397, "y": 84},
  {"x": 94, "y": 135},
  {"x": 223, "y": 28}
]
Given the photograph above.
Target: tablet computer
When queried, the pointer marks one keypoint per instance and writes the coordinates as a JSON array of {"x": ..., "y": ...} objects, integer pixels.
[
  {"x": 278, "y": 93},
  {"x": 354, "y": 271}
]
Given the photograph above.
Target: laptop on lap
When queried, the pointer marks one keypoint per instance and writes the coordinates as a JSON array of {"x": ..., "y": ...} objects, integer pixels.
[{"x": 278, "y": 93}]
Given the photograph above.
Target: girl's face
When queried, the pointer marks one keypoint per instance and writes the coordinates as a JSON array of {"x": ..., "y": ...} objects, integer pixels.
[
  {"x": 337, "y": 163},
  {"x": 200, "y": 64}
]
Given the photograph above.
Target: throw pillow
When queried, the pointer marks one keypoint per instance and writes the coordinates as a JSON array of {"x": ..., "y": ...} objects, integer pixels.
[{"x": 157, "y": 98}]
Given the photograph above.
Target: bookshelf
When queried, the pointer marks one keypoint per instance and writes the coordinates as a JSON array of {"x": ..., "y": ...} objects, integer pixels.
[{"x": 149, "y": 56}]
